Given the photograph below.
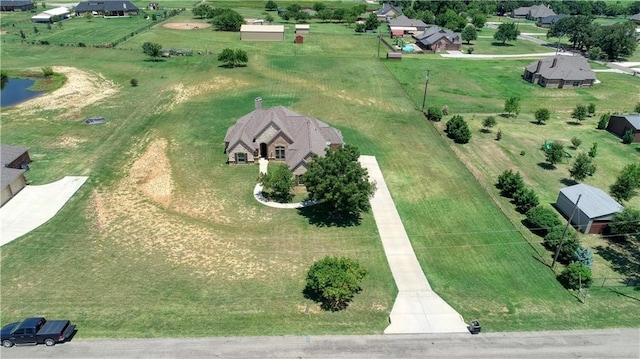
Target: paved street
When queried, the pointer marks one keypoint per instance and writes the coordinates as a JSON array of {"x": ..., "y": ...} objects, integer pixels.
[{"x": 614, "y": 343}]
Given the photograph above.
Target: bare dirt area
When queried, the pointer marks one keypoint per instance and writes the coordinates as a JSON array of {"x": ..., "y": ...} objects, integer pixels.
[
  {"x": 83, "y": 88},
  {"x": 187, "y": 25},
  {"x": 182, "y": 93}
]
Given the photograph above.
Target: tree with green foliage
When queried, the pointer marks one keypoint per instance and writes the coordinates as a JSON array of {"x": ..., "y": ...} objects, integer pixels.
[
  {"x": 450, "y": 19},
  {"x": 4, "y": 78},
  {"x": 489, "y": 122},
  {"x": 507, "y": 31},
  {"x": 469, "y": 34},
  {"x": 334, "y": 281},
  {"x": 618, "y": 39},
  {"x": 478, "y": 20},
  {"x": 339, "y": 181},
  {"x": 325, "y": 15},
  {"x": 201, "y": 10},
  {"x": 47, "y": 71},
  {"x": 35, "y": 30},
  {"x": 604, "y": 121},
  {"x": 318, "y": 6},
  {"x": 591, "y": 109},
  {"x": 575, "y": 142},
  {"x": 580, "y": 112},
  {"x": 133, "y": 82},
  {"x": 269, "y": 18},
  {"x": 542, "y": 219},
  {"x": 271, "y": 6},
  {"x": 372, "y": 22},
  {"x": 233, "y": 58},
  {"x": 595, "y": 53},
  {"x": 458, "y": 130},
  {"x": 87, "y": 15},
  {"x": 593, "y": 151},
  {"x": 277, "y": 183},
  {"x": 152, "y": 49},
  {"x": 434, "y": 114},
  {"x": 525, "y": 199},
  {"x": 626, "y": 222},
  {"x": 542, "y": 115},
  {"x": 226, "y": 19},
  {"x": 512, "y": 106},
  {"x": 499, "y": 135},
  {"x": 509, "y": 183},
  {"x": 583, "y": 255},
  {"x": 568, "y": 246},
  {"x": 627, "y": 183},
  {"x": 628, "y": 136},
  {"x": 637, "y": 108},
  {"x": 583, "y": 167},
  {"x": 554, "y": 153},
  {"x": 576, "y": 276}
]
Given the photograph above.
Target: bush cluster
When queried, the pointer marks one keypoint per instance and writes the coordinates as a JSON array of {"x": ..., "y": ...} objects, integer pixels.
[{"x": 458, "y": 130}]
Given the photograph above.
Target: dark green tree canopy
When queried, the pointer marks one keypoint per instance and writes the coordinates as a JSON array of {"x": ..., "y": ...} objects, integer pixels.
[
  {"x": 542, "y": 115},
  {"x": 334, "y": 281},
  {"x": 457, "y": 129},
  {"x": 339, "y": 181},
  {"x": 627, "y": 183},
  {"x": 277, "y": 183},
  {"x": 582, "y": 168},
  {"x": 554, "y": 153},
  {"x": 233, "y": 58},
  {"x": 469, "y": 34},
  {"x": 580, "y": 112},
  {"x": 626, "y": 222},
  {"x": 227, "y": 20},
  {"x": 152, "y": 49},
  {"x": 507, "y": 31}
]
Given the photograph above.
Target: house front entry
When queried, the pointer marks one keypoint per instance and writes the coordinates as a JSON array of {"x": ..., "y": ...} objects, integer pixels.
[{"x": 263, "y": 150}]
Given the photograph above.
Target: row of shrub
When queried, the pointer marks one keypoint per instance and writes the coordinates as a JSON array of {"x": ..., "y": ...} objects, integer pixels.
[{"x": 544, "y": 222}]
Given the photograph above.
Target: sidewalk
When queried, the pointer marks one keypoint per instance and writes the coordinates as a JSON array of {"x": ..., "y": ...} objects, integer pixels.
[
  {"x": 417, "y": 309},
  {"x": 34, "y": 206}
]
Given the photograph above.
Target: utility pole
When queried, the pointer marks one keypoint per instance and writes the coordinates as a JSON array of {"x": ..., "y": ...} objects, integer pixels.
[
  {"x": 379, "y": 40},
  {"x": 424, "y": 97},
  {"x": 555, "y": 258}
]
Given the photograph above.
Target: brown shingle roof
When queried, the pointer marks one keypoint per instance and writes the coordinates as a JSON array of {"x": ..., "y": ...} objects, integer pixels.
[
  {"x": 9, "y": 154},
  {"x": 561, "y": 67}
]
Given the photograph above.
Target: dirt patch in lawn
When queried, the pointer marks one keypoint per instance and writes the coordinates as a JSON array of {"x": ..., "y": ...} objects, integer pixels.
[
  {"x": 82, "y": 89},
  {"x": 187, "y": 25},
  {"x": 182, "y": 93}
]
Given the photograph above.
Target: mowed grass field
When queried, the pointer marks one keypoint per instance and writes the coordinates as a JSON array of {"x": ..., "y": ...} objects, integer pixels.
[{"x": 164, "y": 234}]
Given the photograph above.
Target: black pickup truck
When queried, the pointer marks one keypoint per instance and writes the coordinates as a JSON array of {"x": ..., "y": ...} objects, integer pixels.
[{"x": 37, "y": 331}]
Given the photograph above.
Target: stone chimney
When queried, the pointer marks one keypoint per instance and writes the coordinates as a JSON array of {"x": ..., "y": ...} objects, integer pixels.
[
  {"x": 258, "y": 102},
  {"x": 538, "y": 67}
]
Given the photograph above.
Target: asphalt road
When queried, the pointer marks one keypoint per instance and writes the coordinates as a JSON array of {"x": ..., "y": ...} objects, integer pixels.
[{"x": 614, "y": 343}]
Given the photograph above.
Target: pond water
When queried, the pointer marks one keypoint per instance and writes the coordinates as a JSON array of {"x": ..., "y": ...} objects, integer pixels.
[{"x": 16, "y": 91}]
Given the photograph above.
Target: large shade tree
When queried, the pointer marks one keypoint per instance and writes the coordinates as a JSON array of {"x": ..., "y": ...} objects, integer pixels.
[
  {"x": 333, "y": 281},
  {"x": 339, "y": 181},
  {"x": 507, "y": 31}
]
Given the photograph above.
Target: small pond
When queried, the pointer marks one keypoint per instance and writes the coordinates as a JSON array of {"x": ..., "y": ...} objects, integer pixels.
[{"x": 16, "y": 91}]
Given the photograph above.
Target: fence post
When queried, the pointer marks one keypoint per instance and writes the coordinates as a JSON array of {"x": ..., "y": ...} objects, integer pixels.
[{"x": 603, "y": 280}]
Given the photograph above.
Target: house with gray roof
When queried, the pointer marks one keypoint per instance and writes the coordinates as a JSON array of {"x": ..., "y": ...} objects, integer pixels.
[
  {"x": 17, "y": 5},
  {"x": 636, "y": 18},
  {"x": 402, "y": 25},
  {"x": 14, "y": 162},
  {"x": 388, "y": 12},
  {"x": 438, "y": 39},
  {"x": 594, "y": 210},
  {"x": 560, "y": 71},
  {"x": 535, "y": 12},
  {"x": 107, "y": 8},
  {"x": 279, "y": 134},
  {"x": 551, "y": 20},
  {"x": 619, "y": 124}
]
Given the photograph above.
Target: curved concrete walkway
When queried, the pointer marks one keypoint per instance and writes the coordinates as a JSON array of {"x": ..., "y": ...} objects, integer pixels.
[
  {"x": 34, "y": 206},
  {"x": 257, "y": 192},
  {"x": 417, "y": 309}
]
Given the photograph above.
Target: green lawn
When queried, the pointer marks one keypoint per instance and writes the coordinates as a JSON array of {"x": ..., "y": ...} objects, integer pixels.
[{"x": 129, "y": 262}]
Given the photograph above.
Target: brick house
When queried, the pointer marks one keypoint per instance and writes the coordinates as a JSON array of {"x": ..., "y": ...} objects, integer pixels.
[
  {"x": 560, "y": 71},
  {"x": 619, "y": 124},
  {"x": 438, "y": 39}
]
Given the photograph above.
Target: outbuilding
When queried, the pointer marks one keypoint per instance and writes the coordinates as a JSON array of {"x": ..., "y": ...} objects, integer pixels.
[
  {"x": 619, "y": 124},
  {"x": 302, "y": 28},
  {"x": 262, "y": 32},
  {"x": 394, "y": 55},
  {"x": 594, "y": 210},
  {"x": 47, "y": 16},
  {"x": 15, "y": 161}
]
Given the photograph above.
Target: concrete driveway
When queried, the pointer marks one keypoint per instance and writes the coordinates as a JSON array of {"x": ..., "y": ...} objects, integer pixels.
[{"x": 34, "y": 206}]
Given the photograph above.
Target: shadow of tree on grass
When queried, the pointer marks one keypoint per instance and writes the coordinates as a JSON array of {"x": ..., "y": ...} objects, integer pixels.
[
  {"x": 322, "y": 215},
  {"x": 624, "y": 256}
]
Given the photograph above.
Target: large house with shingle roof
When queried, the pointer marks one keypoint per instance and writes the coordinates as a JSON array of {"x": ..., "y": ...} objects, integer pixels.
[
  {"x": 594, "y": 210},
  {"x": 535, "y": 12},
  {"x": 560, "y": 71},
  {"x": 402, "y": 25},
  {"x": 438, "y": 39},
  {"x": 388, "y": 12},
  {"x": 15, "y": 160},
  {"x": 620, "y": 124},
  {"x": 107, "y": 8},
  {"x": 16, "y": 5},
  {"x": 279, "y": 134}
]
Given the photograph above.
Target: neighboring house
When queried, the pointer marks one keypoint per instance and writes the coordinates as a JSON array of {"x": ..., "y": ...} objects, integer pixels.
[
  {"x": 107, "y": 8},
  {"x": 560, "y": 71},
  {"x": 636, "y": 18},
  {"x": 262, "y": 32},
  {"x": 594, "y": 211},
  {"x": 402, "y": 25},
  {"x": 619, "y": 124},
  {"x": 549, "y": 21},
  {"x": 388, "y": 12},
  {"x": 17, "y": 5},
  {"x": 279, "y": 134},
  {"x": 47, "y": 16},
  {"x": 438, "y": 39},
  {"x": 302, "y": 28},
  {"x": 15, "y": 160},
  {"x": 535, "y": 12}
]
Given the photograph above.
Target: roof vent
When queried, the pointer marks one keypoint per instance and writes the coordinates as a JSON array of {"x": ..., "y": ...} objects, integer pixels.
[{"x": 258, "y": 102}]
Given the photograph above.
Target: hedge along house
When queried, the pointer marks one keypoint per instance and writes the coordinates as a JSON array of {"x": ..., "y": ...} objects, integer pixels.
[
  {"x": 619, "y": 124},
  {"x": 560, "y": 71},
  {"x": 15, "y": 161},
  {"x": 279, "y": 134},
  {"x": 594, "y": 211},
  {"x": 107, "y": 8},
  {"x": 262, "y": 32}
]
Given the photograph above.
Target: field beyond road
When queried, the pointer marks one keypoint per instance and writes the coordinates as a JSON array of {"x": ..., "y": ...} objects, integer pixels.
[{"x": 164, "y": 234}]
